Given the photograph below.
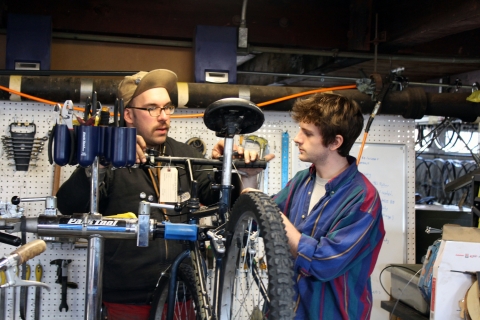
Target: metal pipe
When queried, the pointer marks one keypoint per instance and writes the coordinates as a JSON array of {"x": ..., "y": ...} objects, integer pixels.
[
  {"x": 359, "y": 55},
  {"x": 94, "y": 187},
  {"x": 67, "y": 226},
  {"x": 173, "y": 281},
  {"x": 243, "y": 21},
  {"x": 410, "y": 103},
  {"x": 127, "y": 40},
  {"x": 93, "y": 292},
  {"x": 77, "y": 73},
  {"x": 80, "y": 73},
  {"x": 227, "y": 163},
  {"x": 293, "y": 75}
]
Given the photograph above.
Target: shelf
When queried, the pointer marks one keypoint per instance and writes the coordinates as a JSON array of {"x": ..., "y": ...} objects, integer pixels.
[{"x": 402, "y": 310}]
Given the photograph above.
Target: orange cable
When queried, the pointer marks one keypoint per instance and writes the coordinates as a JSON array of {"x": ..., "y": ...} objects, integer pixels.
[
  {"x": 39, "y": 99},
  {"x": 262, "y": 104},
  {"x": 27, "y": 96},
  {"x": 196, "y": 115}
]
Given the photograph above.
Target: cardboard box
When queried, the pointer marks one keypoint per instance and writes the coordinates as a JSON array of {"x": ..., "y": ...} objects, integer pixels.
[{"x": 451, "y": 279}]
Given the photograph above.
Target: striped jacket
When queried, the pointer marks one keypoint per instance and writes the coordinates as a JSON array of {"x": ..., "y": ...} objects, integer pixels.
[{"x": 340, "y": 242}]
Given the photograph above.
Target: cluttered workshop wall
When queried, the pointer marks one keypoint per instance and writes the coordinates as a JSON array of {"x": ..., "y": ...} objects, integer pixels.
[{"x": 275, "y": 136}]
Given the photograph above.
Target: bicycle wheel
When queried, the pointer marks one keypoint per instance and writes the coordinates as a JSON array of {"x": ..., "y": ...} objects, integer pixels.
[
  {"x": 257, "y": 276},
  {"x": 186, "y": 298}
]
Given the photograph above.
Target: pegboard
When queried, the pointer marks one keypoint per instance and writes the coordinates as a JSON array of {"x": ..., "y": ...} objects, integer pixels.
[{"x": 38, "y": 182}]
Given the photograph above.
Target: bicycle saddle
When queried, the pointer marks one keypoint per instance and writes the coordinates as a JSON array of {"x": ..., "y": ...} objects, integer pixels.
[{"x": 231, "y": 116}]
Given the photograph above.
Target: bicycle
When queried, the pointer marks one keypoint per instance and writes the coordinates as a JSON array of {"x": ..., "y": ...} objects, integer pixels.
[
  {"x": 253, "y": 273},
  {"x": 253, "y": 266}
]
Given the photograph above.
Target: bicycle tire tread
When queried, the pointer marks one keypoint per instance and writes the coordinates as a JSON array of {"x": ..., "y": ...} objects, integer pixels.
[{"x": 280, "y": 263}]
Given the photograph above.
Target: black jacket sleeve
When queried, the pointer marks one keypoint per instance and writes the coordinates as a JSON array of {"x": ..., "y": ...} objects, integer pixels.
[{"x": 74, "y": 194}]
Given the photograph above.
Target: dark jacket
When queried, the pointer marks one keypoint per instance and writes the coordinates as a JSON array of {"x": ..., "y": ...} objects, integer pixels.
[{"x": 131, "y": 272}]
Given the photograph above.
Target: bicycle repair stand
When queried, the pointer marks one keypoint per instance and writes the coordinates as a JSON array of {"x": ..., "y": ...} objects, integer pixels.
[
  {"x": 95, "y": 228},
  {"x": 226, "y": 117}
]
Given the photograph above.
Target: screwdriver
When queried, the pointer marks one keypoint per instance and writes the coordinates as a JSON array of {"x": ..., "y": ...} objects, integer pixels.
[
  {"x": 38, "y": 272},
  {"x": 38, "y": 277},
  {"x": 103, "y": 117},
  {"x": 24, "y": 294},
  {"x": 27, "y": 272},
  {"x": 3, "y": 280}
]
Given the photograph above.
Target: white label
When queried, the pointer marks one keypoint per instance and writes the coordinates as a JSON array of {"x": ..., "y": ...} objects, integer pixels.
[{"x": 168, "y": 184}]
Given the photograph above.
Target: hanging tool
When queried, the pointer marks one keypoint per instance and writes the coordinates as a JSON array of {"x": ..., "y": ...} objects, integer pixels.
[
  {"x": 67, "y": 114},
  {"x": 94, "y": 102},
  {"x": 380, "y": 93},
  {"x": 3, "y": 309},
  {"x": 89, "y": 114},
  {"x": 15, "y": 293},
  {"x": 118, "y": 116},
  {"x": 56, "y": 112},
  {"x": 115, "y": 112},
  {"x": 38, "y": 290},
  {"x": 62, "y": 137},
  {"x": 62, "y": 278},
  {"x": 259, "y": 144},
  {"x": 22, "y": 141},
  {"x": 104, "y": 114},
  {"x": 285, "y": 153},
  {"x": 88, "y": 107},
  {"x": 24, "y": 292},
  {"x": 198, "y": 144}
]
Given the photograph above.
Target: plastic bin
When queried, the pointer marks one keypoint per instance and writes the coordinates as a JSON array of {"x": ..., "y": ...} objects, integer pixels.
[{"x": 408, "y": 294}]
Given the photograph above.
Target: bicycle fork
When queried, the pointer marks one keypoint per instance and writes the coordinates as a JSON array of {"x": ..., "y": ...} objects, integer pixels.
[{"x": 201, "y": 272}]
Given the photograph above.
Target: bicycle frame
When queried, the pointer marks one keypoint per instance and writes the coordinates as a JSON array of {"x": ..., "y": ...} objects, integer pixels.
[{"x": 212, "y": 309}]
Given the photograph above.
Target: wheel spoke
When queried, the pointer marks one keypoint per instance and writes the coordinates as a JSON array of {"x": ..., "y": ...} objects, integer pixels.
[{"x": 256, "y": 232}]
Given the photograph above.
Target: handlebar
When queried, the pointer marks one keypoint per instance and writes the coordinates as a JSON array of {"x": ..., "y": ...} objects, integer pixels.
[
  {"x": 19, "y": 256},
  {"x": 28, "y": 251},
  {"x": 212, "y": 162},
  {"x": 9, "y": 239}
]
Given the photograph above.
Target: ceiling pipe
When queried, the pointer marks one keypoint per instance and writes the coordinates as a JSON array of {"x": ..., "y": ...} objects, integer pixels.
[
  {"x": 411, "y": 103},
  {"x": 260, "y": 49},
  {"x": 352, "y": 80},
  {"x": 360, "y": 55},
  {"x": 87, "y": 73}
]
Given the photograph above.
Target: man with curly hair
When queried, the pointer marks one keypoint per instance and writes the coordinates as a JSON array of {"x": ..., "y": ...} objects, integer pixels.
[{"x": 332, "y": 213}]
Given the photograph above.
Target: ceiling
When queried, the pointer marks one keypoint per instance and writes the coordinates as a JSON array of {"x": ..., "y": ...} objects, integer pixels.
[{"x": 333, "y": 38}]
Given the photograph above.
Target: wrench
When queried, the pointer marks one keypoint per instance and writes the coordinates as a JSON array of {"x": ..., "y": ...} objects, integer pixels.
[{"x": 62, "y": 278}]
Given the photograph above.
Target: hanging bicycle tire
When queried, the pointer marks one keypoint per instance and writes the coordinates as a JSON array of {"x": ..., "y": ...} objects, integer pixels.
[
  {"x": 187, "y": 306},
  {"x": 257, "y": 279}
]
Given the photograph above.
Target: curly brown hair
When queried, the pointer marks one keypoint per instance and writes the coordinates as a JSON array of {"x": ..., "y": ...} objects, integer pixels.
[{"x": 332, "y": 114}]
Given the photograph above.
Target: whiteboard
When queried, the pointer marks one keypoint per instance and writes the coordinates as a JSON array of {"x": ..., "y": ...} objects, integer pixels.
[{"x": 385, "y": 165}]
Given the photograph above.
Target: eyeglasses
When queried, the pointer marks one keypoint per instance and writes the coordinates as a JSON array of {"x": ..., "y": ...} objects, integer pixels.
[{"x": 156, "y": 111}]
